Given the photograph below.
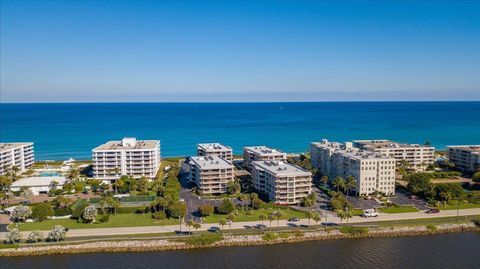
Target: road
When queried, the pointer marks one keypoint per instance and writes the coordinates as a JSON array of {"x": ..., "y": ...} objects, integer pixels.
[{"x": 243, "y": 225}]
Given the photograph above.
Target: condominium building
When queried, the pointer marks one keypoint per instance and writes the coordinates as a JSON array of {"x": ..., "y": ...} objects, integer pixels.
[
  {"x": 417, "y": 156},
  {"x": 210, "y": 174},
  {"x": 261, "y": 153},
  {"x": 282, "y": 182},
  {"x": 19, "y": 154},
  {"x": 372, "y": 171},
  {"x": 215, "y": 149},
  {"x": 465, "y": 158},
  {"x": 132, "y": 157}
]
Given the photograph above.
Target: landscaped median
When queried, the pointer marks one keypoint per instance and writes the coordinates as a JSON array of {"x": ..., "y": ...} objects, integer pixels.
[
  {"x": 398, "y": 209},
  {"x": 203, "y": 239},
  {"x": 254, "y": 215}
]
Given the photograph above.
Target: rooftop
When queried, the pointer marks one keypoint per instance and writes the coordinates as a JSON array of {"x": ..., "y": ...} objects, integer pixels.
[
  {"x": 377, "y": 144},
  {"x": 129, "y": 143},
  {"x": 38, "y": 181},
  {"x": 470, "y": 148},
  {"x": 263, "y": 150},
  {"x": 359, "y": 154},
  {"x": 10, "y": 146},
  {"x": 280, "y": 168},
  {"x": 210, "y": 162},
  {"x": 213, "y": 147}
]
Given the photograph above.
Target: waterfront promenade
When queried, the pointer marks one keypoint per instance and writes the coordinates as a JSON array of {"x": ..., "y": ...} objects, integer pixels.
[{"x": 244, "y": 225}]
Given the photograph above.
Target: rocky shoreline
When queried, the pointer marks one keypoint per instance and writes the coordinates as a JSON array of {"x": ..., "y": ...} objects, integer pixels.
[{"x": 229, "y": 240}]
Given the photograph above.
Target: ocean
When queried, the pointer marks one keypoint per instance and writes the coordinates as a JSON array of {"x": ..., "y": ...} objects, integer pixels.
[{"x": 64, "y": 130}]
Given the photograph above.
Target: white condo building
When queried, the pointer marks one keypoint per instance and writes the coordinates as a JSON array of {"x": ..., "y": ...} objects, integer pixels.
[
  {"x": 210, "y": 174},
  {"x": 282, "y": 182},
  {"x": 465, "y": 158},
  {"x": 19, "y": 154},
  {"x": 372, "y": 171},
  {"x": 131, "y": 157},
  {"x": 215, "y": 149},
  {"x": 261, "y": 153},
  {"x": 418, "y": 156}
]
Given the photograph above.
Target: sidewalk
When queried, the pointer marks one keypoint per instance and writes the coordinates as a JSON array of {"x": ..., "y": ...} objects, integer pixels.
[{"x": 241, "y": 225}]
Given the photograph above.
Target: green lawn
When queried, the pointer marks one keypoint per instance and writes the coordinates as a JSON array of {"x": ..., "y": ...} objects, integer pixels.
[
  {"x": 119, "y": 220},
  {"x": 461, "y": 206},
  {"x": 399, "y": 209},
  {"x": 357, "y": 212},
  {"x": 242, "y": 216}
]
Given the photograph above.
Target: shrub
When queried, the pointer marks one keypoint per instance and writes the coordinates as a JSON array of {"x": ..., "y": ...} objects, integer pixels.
[
  {"x": 78, "y": 207},
  {"x": 42, "y": 211},
  {"x": 270, "y": 236},
  {"x": 159, "y": 215},
  {"x": 130, "y": 210},
  {"x": 431, "y": 228},
  {"x": 203, "y": 240},
  {"x": 226, "y": 207},
  {"x": 177, "y": 210},
  {"x": 21, "y": 213},
  {"x": 205, "y": 210},
  {"x": 57, "y": 233},
  {"x": 103, "y": 218},
  {"x": 353, "y": 230},
  {"x": 13, "y": 236},
  {"x": 62, "y": 211},
  {"x": 35, "y": 237},
  {"x": 89, "y": 213}
]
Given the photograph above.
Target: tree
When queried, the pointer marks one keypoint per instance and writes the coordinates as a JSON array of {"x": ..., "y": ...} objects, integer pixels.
[
  {"x": 13, "y": 236},
  {"x": 445, "y": 196},
  {"x": 189, "y": 224},
  {"x": 338, "y": 183},
  {"x": 42, "y": 211},
  {"x": 309, "y": 216},
  {"x": 262, "y": 218},
  {"x": 226, "y": 207},
  {"x": 278, "y": 215},
  {"x": 61, "y": 201},
  {"x": 245, "y": 198},
  {"x": 20, "y": 213},
  {"x": 197, "y": 225},
  {"x": 350, "y": 183},
  {"x": 476, "y": 177},
  {"x": 418, "y": 183},
  {"x": 35, "y": 237},
  {"x": 222, "y": 223},
  {"x": 309, "y": 200},
  {"x": 271, "y": 217},
  {"x": 89, "y": 213},
  {"x": 254, "y": 201},
  {"x": 57, "y": 233},
  {"x": 177, "y": 210},
  {"x": 72, "y": 174},
  {"x": 324, "y": 180},
  {"x": 112, "y": 204},
  {"x": 341, "y": 214},
  {"x": 205, "y": 210},
  {"x": 316, "y": 217},
  {"x": 5, "y": 183},
  {"x": 230, "y": 218},
  {"x": 26, "y": 193},
  {"x": 233, "y": 187}
]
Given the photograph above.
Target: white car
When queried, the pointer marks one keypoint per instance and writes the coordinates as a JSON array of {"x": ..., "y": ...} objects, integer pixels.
[{"x": 370, "y": 213}]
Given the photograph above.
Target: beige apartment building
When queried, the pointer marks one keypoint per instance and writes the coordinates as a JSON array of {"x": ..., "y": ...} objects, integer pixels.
[
  {"x": 418, "y": 156},
  {"x": 215, "y": 149},
  {"x": 19, "y": 154},
  {"x": 131, "y": 157},
  {"x": 210, "y": 174},
  {"x": 282, "y": 182},
  {"x": 261, "y": 153},
  {"x": 372, "y": 171},
  {"x": 465, "y": 158}
]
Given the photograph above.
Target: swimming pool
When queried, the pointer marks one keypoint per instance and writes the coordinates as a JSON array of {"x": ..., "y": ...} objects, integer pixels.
[{"x": 49, "y": 174}]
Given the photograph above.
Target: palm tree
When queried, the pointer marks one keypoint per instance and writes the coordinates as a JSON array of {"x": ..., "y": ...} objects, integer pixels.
[
  {"x": 189, "y": 224},
  {"x": 350, "y": 183},
  {"x": 271, "y": 217},
  {"x": 230, "y": 218},
  {"x": 196, "y": 225},
  {"x": 309, "y": 215},
  {"x": 253, "y": 199},
  {"x": 222, "y": 222},
  {"x": 324, "y": 180},
  {"x": 338, "y": 183},
  {"x": 348, "y": 215},
  {"x": 262, "y": 218},
  {"x": 278, "y": 215},
  {"x": 72, "y": 174},
  {"x": 316, "y": 217},
  {"x": 341, "y": 214},
  {"x": 5, "y": 183}
]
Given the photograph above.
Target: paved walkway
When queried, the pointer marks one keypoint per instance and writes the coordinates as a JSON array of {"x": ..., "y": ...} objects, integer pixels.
[{"x": 243, "y": 225}]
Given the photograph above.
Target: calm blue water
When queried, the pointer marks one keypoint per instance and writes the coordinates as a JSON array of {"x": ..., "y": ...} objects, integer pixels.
[{"x": 61, "y": 131}]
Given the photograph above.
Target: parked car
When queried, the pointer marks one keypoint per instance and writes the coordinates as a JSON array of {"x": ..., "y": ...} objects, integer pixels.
[
  {"x": 293, "y": 219},
  {"x": 368, "y": 213},
  {"x": 213, "y": 229},
  {"x": 432, "y": 211}
]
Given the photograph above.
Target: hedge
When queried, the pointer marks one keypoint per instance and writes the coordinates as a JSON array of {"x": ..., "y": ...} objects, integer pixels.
[
  {"x": 133, "y": 209},
  {"x": 77, "y": 208},
  {"x": 62, "y": 211}
]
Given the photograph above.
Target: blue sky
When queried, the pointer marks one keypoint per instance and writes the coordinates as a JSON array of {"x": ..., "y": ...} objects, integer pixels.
[{"x": 239, "y": 51}]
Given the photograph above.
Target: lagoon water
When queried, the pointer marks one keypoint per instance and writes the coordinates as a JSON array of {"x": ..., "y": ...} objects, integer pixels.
[
  {"x": 456, "y": 250},
  {"x": 68, "y": 130}
]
